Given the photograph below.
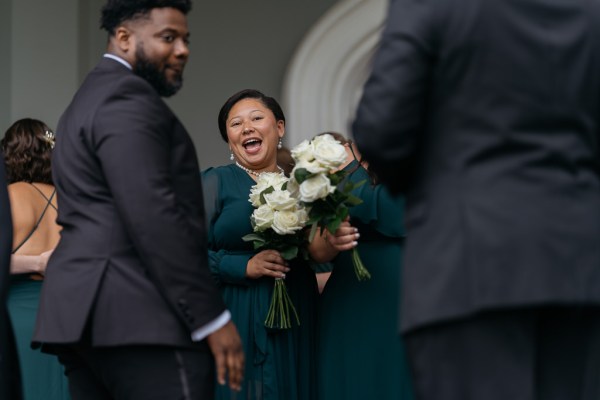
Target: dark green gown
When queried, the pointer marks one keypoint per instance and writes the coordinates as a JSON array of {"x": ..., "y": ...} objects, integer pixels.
[
  {"x": 41, "y": 374},
  {"x": 280, "y": 364},
  {"x": 360, "y": 353}
]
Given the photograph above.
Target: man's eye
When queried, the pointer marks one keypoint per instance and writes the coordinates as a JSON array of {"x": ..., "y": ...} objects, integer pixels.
[
  {"x": 168, "y": 38},
  {"x": 258, "y": 118}
]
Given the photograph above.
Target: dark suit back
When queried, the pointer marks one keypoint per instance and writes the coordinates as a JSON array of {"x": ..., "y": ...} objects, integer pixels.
[
  {"x": 132, "y": 257},
  {"x": 487, "y": 113}
]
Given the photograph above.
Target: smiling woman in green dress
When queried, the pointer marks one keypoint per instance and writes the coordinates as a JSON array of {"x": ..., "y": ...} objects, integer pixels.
[{"x": 280, "y": 364}]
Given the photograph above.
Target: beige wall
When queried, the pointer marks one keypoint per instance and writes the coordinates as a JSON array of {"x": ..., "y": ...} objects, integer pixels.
[{"x": 235, "y": 44}]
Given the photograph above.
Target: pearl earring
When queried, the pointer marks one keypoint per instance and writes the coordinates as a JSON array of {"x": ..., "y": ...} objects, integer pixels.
[
  {"x": 280, "y": 144},
  {"x": 231, "y": 156}
]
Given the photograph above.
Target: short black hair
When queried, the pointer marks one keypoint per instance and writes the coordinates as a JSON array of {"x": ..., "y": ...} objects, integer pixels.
[
  {"x": 269, "y": 102},
  {"x": 115, "y": 12}
]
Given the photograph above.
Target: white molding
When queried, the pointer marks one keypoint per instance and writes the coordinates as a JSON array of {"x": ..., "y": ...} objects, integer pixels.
[{"x": 325, "y": 77}]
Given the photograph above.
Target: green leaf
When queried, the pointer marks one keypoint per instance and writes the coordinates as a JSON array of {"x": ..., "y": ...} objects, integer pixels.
[
  {"x": 334, "y": 225},
  {"x": 302, "y": 174},
  {"x": 253, "y": 236},
  {"x": 353, "y": 200},
  {"x": 313, "y": 231},
  {"x": 289, "y": 252},
  {"x": 268, "y": 190}
]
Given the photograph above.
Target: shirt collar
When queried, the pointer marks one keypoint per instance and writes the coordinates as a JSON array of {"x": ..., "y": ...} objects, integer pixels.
[{"x": 118, "y": 59}]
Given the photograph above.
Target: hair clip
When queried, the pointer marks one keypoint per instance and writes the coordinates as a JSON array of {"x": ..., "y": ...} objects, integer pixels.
[{"x": 49, "y": 137}]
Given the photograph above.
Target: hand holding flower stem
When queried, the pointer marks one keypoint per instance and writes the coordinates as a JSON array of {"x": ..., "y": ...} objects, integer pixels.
[{"x": 345, "y": 238}]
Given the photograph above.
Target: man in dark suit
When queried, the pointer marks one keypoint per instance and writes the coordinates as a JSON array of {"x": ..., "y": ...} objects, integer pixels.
[
  {"x": 10, "y": 383},
  {"x": 128, "y": 303},
  {"x": 486, "y": 114}
]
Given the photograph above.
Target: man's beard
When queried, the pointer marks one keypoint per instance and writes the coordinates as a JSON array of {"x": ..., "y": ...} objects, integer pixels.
[{"x": 148, "y": 70}]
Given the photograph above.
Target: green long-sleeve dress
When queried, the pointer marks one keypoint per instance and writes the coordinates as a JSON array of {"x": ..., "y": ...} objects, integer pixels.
[
  {"x": 360, "y": 353},
  {"x": 280, "y": 364}
]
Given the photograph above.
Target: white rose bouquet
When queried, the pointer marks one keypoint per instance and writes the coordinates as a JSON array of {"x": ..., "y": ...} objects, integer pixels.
[
  {"x": 277, "y": 221},
  {"x": 323, "y": 189}
]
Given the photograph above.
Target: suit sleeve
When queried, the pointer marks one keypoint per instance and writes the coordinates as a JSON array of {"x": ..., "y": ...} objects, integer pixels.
[
  {"x": 391, "y": 112},
  {"x": 132, "y": 136}
]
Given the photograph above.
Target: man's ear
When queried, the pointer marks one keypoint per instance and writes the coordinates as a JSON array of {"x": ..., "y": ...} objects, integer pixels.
[{"x": 124, "y": 39}]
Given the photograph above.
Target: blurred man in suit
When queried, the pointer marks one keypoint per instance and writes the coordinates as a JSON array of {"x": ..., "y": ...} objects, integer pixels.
[
  {"x": 10, "y": 383},
  {"x": 487, "y": 115},
  {"x": 128, "y": 302}
]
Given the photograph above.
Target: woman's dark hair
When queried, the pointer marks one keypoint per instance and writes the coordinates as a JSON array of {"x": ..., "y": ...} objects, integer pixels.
[
  {"x": 269, "y": 102},
  {"x": 115, "y": 12},
  {"x": 27, "y": 147}
]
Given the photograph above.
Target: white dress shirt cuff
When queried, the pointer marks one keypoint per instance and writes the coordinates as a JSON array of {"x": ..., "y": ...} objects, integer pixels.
[{"x": 211, "y": 327}]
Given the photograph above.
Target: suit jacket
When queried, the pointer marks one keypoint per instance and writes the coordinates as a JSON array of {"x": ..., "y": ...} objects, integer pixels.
[
  {"x": 10, "y": 383},
  {"x": 486, "y": 113},
  {"x": 132, "y": 259}
]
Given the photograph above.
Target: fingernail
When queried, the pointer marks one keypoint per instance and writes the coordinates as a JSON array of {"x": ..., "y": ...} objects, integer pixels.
[
  {"x": 355, "y": 243},
  {"x": 282, "y": 276},
  {"x": 287, "y": 270},
  {"x": 355, "y": 229},
  {"x": 357, "y": 235}
]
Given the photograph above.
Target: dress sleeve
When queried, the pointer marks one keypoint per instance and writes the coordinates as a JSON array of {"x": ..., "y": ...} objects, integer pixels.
[
  {"x": 379, "y": 209},
  {"x": 226, "y": 267},
  {"x": 229, "y": 268}
]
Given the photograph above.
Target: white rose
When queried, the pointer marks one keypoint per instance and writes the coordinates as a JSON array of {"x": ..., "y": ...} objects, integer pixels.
[
  {"x": 280, "y": 200},
  {"x": 275, "y": 179},
  {"x": 314, "y": 167},
  {"x": 263, "y": 182},
  {"x": 286, "y": 222},
  {"x": 317, "y": 187},
  {"x": 293, "y": 187},
  {"x": 254, "y": 197},
  {"x": 303, "y": 152},
  {"x": 329, "y": 152},
  {"x": 263, "y": 218},
  {"x": 302, "y": 213}
]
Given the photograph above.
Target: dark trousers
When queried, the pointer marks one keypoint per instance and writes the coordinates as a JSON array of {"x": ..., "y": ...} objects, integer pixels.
[
  {"x": 138, "y": 372},
  {"x": 549, "y": 353}
]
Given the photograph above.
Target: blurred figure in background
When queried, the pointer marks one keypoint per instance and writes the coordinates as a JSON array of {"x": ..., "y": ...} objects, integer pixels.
[{"x": 487, "y": 114}]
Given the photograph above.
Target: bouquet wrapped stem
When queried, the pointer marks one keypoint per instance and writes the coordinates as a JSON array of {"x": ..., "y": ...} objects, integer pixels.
[
  {"x": 279, "y": 316},
  {"x": 362, "y": 273},
  {"x": 277, "y": 221}
]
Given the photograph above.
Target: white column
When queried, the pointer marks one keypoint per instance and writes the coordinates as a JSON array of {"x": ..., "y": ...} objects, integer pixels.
[{"x": 325, "y": 77}]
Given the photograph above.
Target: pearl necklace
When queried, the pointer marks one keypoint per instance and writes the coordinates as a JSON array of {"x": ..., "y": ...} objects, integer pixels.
[{"x": 252, "y": 172}]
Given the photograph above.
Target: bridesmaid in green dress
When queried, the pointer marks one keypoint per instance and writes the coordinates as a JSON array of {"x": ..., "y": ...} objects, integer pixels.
[
  {"x": 280, "y": 364},
  {"x": 360, "y": 353},
  {"x": 26, "y": 148}
]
